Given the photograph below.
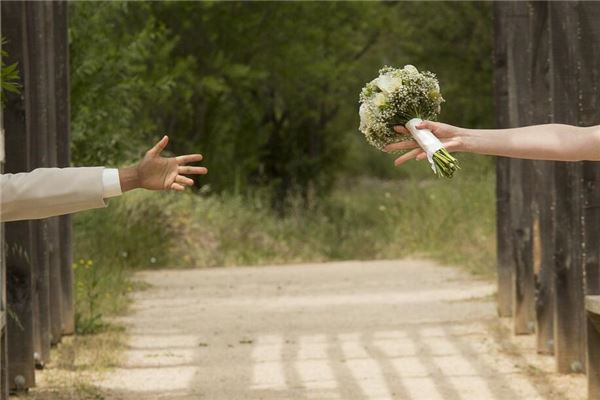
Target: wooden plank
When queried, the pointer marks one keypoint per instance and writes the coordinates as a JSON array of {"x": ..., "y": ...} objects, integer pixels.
[
  {"x": 55, "y": 291},
  {"x": 61, "y": 49},
  {"x": 521, "y": 174},
  {"x": 543, "y": 179},
  {"x": 544, "y": 203},
  {"x": 3, "y": 364},
  {"x": 593, "y": 369},
  {"x": 37, "y": 110},
  {"x": 3, "y": 338},
  {"x": 589, "y": 114},
  {"x": 21, "y": 374},
  {"x": 592, "y": 304},
  {"x": 569, "y": 318},
  {"x": 505, "y": 265}
]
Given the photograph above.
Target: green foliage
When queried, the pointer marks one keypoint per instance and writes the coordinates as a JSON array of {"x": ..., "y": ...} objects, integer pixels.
[
  {"x": 9, "y": 75},
  {"x": 122, "y": 76},
  {"x": 360, "y": 219},
  {"x": 136, "y": 231},
  {"x": 88, "y": 318},
  {"x": 266, "y": 90}
]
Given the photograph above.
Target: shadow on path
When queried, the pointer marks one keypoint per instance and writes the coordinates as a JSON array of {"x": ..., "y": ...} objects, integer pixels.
[{"x": 354, "y": 330}]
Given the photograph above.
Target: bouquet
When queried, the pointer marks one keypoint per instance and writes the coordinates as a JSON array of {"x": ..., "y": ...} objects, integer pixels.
[{"x": 405, "y": 97}]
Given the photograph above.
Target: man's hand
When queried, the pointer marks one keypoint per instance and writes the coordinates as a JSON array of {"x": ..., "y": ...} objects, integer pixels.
[{"x": 158, "y": 173}]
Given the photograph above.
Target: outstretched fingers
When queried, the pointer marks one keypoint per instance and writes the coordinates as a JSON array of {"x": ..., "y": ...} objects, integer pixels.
[
  {"x": 188, "y": 158},
  {"x": 190, "y": 170},
  {"x": 401, "y": 130},
  {"x": 159, "y": 147},
  {"x": 407, "y": 144},
  {"x": 177, "y": 187},
  {"x": 184, "y": 180},
  {"x": 408, "y": 156}
]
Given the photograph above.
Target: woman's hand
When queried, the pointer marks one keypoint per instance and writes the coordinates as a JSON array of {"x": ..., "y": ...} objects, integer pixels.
[
  {"x": 450, "y": 136},
  {"x": 160, "y": 173}
]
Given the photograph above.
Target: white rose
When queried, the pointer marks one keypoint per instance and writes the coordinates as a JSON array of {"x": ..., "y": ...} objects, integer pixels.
[
  {"x": 388, "y": 83},
  {"x": 411, "y": 69},
  {"x": 366, "y": 118},
  {"x": 379, "y": 99}
]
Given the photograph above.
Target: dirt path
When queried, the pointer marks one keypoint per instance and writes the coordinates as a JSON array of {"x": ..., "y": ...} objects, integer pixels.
[{"x": 358, "y": 330}]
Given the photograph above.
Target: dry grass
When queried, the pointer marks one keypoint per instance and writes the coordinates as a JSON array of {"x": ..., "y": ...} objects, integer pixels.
[{"x": 76, "y": 363}]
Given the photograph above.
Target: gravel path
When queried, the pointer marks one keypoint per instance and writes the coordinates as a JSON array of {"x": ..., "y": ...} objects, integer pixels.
[{"x": 353, "y": 330}]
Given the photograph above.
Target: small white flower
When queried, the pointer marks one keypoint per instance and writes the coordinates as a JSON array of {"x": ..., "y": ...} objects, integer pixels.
[
  {"x": 152, "y": 260},
  {"x": 388, "y": 83},
  {"x": 379, "y": 99},
  {"x": 366, "y": 118},
  {"x": 411, "y": 69},
  {"x": 124, "y": 254}
]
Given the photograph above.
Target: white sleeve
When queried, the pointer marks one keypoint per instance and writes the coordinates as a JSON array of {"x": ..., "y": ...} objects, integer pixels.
[
  {"x": 48, "y": 192},
  {"x": 111, "y": 183}
]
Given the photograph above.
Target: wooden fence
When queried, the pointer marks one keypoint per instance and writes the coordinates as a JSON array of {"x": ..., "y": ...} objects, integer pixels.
[
  {"x": 547, "y": 63},
  {"x": 547, "y": 66},
  {"x": 38, "y": 253}
]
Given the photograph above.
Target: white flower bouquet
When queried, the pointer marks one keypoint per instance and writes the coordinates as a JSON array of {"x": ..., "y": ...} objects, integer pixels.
[{"x": 405, "y": 97}]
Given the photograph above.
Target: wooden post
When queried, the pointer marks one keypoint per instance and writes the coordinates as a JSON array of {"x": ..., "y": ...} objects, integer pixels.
[
  {"x": 36, "y": 98},
  {"x": 543, "y": 179},
  {"x": 61, "y": 50},
  {"x": 505, "y": 264},
  {"x": 18, "y": 234},
  {"x": 544, "y": 242},
  {"x": 3, "y": 310},
  {"x": 589, "y": 114},
  {"x": 521, "y": 172},
  {"x": 593, "y": 367},
  {"x": 55, "y": 291},
  {"x": 569, "y": 321}
]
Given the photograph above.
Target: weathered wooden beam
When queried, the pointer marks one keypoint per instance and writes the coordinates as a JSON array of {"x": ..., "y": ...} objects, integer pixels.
[
  {"x": 55, "y": 291},
  {"x": 589, "y": 114},
  {"x": 61, "y": 50},
  {"x": 592, "y": 304},
  {"x": 19, "y": 250},
  {"x": 543, "y": 178},
  {"x": 3, "y": 338},
  {"x": 505, "y": 264},
  {"x": 569, "y": 322},
  {"x": 37, "y": 109},
  {"x": 521, "y": 171}
]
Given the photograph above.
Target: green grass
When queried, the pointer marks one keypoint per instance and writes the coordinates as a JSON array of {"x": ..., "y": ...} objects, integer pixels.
[{"x": 451, "y": 221}]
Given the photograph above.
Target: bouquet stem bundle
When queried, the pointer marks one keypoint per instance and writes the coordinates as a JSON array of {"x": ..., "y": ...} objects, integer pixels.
[
  {"x": 442, "y": 162},
  {"x": 445, "y": 163}
]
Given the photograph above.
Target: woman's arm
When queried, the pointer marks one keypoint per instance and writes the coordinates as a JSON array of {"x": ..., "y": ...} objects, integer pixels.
[{"x": 539, "y": 142}]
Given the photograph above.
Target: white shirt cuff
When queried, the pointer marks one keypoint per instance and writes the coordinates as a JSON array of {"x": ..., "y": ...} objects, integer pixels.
[{"x": 111, "y": 182}]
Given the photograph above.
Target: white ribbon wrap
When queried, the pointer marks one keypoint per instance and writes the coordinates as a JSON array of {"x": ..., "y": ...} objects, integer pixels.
[{"x": 426, "y": 139}]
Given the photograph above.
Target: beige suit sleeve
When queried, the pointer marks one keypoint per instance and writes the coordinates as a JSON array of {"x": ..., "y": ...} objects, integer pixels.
[{"x": 48, "y": 192}]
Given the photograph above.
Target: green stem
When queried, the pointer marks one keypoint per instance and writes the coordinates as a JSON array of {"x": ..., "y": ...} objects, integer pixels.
[{"x": 445, "y": 163}]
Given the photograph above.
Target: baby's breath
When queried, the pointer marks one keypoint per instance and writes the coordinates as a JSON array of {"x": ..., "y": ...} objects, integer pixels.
[{"x": 413, "y": 94}]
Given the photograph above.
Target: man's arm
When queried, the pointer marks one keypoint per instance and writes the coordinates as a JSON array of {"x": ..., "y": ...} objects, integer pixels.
[
  {"x": 47, "y": 192},
  {"x": 539, "y": 142}
]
